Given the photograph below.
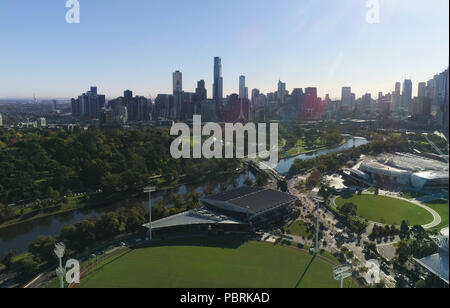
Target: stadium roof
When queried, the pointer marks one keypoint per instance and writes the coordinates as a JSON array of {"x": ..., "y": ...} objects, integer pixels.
[
  {"x": 199, "y": 216},
  {"x": 437, "y": 264},
  {"x": 253, "y": 199}
]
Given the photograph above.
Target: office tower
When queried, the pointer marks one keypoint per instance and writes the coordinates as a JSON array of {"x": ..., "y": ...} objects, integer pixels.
[
  {"x": 243, "y": 90},
  {"x": 1, "y": 120},
  {"x": 88, "y": 105},
  {"x": 187, "y": 105},
  {"x": 218, "y": 82},
  {"x": 297, "y": 96},
  {"x": 128, "y": 95},
  {"x": 177, "y": 95},
  {"x": 163, "y": 103},
  {"x": 422, "y": 89},
  {"x": 199, "y": 96},
  {"x": 177, "y": 82},
  {"x": 397, "y": 97},
  {"x": 254, "y": 99},
  {"x": 208, "y": 110},
  {"x": 346, "y": 98},
  {"x": 407, "y": 95},
  {"x": 281, "y": 93}
]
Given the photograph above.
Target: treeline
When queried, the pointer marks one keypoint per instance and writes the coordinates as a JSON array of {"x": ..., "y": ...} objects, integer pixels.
[
  {"x": 321, "y": 135},
  {"x": 333, "y": 162},
  {"x": 78, "y": 238},
  {"x": 94, "y": 232},
  {"x": 111, "y": 160}
]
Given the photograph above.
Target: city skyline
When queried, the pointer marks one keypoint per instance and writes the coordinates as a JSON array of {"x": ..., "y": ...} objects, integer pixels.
[{"x": 304, "y": 44}]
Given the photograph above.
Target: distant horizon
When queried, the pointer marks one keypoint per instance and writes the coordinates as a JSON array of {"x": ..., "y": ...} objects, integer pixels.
[
  {"x": 121, "y": 45},
  {"x": 334, "y": 98}
]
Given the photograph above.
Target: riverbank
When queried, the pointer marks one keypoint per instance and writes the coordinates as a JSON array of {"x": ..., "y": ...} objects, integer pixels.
[{"x": 105, "y": 200}]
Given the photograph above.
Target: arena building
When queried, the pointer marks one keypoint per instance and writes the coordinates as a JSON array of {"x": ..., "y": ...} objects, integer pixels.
[
  {"x": 256, "y": 206},
  {"x": 239, "y": 210},
  {"x": 402, "y": 170}
]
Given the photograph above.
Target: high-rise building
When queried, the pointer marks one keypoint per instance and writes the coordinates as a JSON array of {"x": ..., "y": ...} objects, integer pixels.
[
  {"x": 163, "y": 103},
  {"x": 218, "y": 82},
  {"x": 346, "y": 98},
  {"x": 421, "y": 92},
  {"x": 297, "y": 97},
  {"x": 243, "y": 90},
  {"x": 88, "y": 105},
  {"x": 177, "y": 95},
  {"x": 397, "y": 97},
  {"x": 407, "y": 95},
  {"x": 177, "y": 82},
  {"x": 1, "y": 120},
  {"x": 281, "y": 93},
  {"x": 200, "y": 95},
  {"x": 127, "y": 94}
]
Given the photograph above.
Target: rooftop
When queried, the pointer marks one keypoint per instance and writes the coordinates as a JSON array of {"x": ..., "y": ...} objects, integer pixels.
[{"x": 254, "y": 199}]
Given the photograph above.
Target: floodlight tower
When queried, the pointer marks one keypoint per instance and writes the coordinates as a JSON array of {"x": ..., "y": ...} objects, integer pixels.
[
  {"x": 317, "y": 200},
  {"x": 149, "y": 190},
  {"x": 341, "y": 272},
  {"x": 59, "y": 252}
]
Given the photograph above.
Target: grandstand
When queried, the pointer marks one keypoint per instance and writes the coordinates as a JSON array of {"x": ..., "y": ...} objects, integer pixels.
[
  {"x": 258, "y": 207},
  {"x": 242, "y": 209}
]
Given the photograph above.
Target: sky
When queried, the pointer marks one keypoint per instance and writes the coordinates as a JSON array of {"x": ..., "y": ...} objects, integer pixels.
[{"x": 138, "y": 44}]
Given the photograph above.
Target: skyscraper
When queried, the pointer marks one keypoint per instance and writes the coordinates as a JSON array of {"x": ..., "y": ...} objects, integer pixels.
[
  {"x": 407, "y": 95},
  {"x": 1, "y": 120},
  {"x": 346, "y": 98},
  {"x": 422, "y": 89},
  {"x": 177, "y": 94},
  {"x": 242, "y": 88},
  {"x": 218, "y": 81},
  {"x": 281, "y": 93}
]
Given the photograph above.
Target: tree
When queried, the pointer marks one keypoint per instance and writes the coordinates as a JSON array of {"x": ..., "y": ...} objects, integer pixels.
[
  {"x": 8, "y": 259},
  {"x": 28, "y": 268},
  {"x": 403, "y": 252},
  {"x": 43, "y": 248},
  {"x": 282, "y": 185},
  {"x": 348, "y": 209},
  {"x": 314, "y": 178},
  {"x": 107, "y": 226},
  {"x": 404, "y": 231}
]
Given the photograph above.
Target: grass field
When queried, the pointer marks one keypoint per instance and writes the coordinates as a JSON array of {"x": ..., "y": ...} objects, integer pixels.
[
  {"x": 442, "y": 208},
  {"x": 387, "y": 210},
  {"x": 243, "y": 264},
  {"x": 299, "y": 228}
]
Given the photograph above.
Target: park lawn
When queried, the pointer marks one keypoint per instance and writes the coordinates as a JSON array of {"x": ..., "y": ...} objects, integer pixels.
[
  {"x": 249, "y": 265},
  {"x": 442, "y": 208},
  {"x": 298, "y": 228},
  {"x": 387, "y": 210}
]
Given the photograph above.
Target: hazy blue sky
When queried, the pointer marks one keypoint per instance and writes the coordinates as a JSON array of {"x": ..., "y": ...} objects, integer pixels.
[{"x": 137, "y": 44}]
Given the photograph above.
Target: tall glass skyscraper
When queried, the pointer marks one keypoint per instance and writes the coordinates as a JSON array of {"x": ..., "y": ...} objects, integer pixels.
[
  {"x": 218, "y": 81},
  {"x": 407, "y": 95}
]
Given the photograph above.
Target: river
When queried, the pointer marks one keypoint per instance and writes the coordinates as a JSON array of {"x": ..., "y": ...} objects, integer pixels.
[{"x": 19, "y": 237}]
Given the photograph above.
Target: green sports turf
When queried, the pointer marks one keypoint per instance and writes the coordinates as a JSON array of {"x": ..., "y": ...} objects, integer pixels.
[
  {"x": 387, "y": 210},
  {"x": 298, "y": 228},
  {"x": 250, "y": 265}
]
